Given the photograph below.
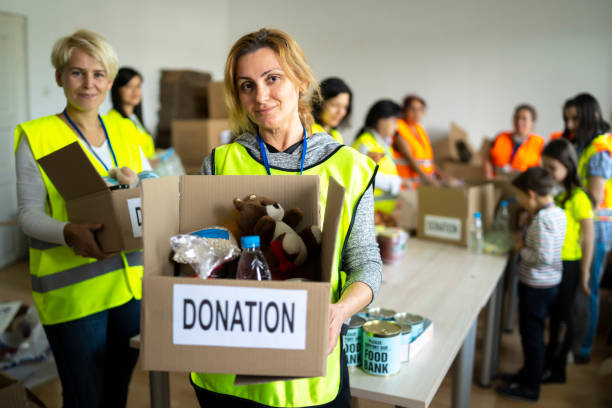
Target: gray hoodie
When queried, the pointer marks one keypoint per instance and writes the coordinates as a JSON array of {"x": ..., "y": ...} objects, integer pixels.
[{"x": 361, "y": 258}]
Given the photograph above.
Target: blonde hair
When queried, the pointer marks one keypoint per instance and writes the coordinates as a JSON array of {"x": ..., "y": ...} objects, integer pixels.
[
  {"x": 92, "y": 43},
  {"x": 292, "y": 61}
]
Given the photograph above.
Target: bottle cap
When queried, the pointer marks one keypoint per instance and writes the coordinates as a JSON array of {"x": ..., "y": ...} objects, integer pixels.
[
  {"x": 477, "y": 215},
  {"x": 503, "y": 203},
  {"x": 249, "y": 241}
]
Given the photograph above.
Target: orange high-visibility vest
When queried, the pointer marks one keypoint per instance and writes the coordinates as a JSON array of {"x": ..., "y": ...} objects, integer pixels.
[
  {"x": 600, "y": 144},
  {"x": 420, "y": 148},
  {"x": 526, "y": 156},
  {"x": 555, "y": 135}
]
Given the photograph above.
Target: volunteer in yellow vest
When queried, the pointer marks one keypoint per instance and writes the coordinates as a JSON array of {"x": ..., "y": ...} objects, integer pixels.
[
  {"x": 412, "y": 149},
  {"x": 126, "y": 95},
  {"x": 374, "y": 140},
  {"x": 267, "y": 82},
  {"x": 88, "y": 301},
  {"x": 584, "y": 120},
  {"x": 333, "y": 109},
  {"x": 518, "y": 150}
]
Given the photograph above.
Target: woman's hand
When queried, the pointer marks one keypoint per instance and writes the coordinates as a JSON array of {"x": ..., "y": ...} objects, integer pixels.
[
  {"x": 376, "y": 156},
  {"x": 81, "y": 238},
  {"x": 336, "y": 318},
  {"x": 584, "y": 284}
]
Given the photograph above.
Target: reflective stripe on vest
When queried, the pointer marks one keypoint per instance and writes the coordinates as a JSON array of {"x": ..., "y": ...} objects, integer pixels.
[
  {"x": 599, "y": 144},
  {"x": 316, "y": 128},
  {"x": 84, "y": 272},
  {"x": 420, "y": 148},
  {"x": 527, "y": 155},
  {"x": 355, "y": 172},
  {"x": 67, "y": 286}
]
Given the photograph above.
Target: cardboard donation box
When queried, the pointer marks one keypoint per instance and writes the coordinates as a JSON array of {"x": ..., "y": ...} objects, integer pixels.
[
  {"x": 470, "y": 173},
  {"x": 445, "y": 214},
  {"x": 12, "y": 393},
  {"x": 194, "y": 139},
  {"x": 254, "y": 328},
  {"x": 88, "y": 199},
  {"x": 217, "y": 108},
  {"x": 456, "y": 147}
]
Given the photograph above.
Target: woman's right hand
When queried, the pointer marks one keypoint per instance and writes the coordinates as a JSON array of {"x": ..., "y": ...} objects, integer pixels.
[{"x": 81, "y": 238}]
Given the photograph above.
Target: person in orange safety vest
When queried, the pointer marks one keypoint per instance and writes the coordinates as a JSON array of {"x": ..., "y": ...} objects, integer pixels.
[{"x": 518, "y": 150}]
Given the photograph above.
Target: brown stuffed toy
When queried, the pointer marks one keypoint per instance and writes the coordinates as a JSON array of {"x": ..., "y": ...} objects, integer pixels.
[{"x": 285, "y": 250}]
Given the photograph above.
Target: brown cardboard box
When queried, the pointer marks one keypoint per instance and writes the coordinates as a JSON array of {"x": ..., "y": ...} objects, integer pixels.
[
  {"x": 407, "y": 210},
  {"x": 12, "y": 393},
  {"x": 174, "y": 340},
  {"x": 446, "y": 213},
  {"x": 194, "y": 139},
  {"x": 88, "y": 199},
  {"x": 217, "y": 108},
  {"x": 447, "y": 149},
  {"x": 192, "y": 169},
  {"x": 470, "y": 173}
]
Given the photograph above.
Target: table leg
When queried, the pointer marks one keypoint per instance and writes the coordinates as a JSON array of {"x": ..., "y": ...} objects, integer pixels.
[
  {"x": 497, "y": 331},
  {"x": 160, "y": 389},
  {"x": 512, "y": 296},
  {"x": 491, "y": 328},
  {"x": 462, "y": 370}
]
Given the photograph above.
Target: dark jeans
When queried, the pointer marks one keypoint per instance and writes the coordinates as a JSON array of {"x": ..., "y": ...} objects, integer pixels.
[
  {"x": 561, "y": 328},
  {"x": 209, "y": 399},
  {"x": 93, "y": 356},
  {"x": 534, "y": 304}
]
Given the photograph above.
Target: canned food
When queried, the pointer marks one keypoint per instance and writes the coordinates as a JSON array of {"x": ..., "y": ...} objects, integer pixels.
[
  {"x": 363, "y": 313},
  {"x": 378, "y": 313},
  {"x": 392, "y": 243},
  {"x": 415, "y": 321},
  {"x": 353, "y": 341},
  {"x": 406, "y": 339},
  {"x": 381, "y": 348}
]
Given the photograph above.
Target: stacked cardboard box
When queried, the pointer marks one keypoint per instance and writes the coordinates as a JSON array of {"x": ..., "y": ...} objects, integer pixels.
[
  {"x": 183, "y": 95},
  {"x": 194, "y": 139}
]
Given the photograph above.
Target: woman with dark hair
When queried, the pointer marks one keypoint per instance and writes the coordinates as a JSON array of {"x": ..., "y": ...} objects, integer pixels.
[
  {"x": 518, "y": 150},
  {"x": 126, "y": 95},
  {"x": 585, "y": 128},
  {"x": 374, "y": 140},
  {"x": 560, "y": 159},
  {"x": 333, "y": 108}
]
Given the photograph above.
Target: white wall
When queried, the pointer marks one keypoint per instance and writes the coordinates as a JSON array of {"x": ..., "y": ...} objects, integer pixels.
[
  {"x": 147, "y": 35},
  {"x": 473, "y": 61}
]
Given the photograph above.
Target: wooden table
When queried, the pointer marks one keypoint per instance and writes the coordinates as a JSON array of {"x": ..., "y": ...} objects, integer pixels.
[
  {"x": 449, "y": 286},
  {"x": 445, "y": 284}
]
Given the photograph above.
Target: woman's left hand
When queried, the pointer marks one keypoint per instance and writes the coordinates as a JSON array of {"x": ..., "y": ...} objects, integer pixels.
[{"x": 336, "y": 318}]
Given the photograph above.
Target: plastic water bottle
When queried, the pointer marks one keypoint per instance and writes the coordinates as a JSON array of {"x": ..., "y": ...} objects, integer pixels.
[
  {"x": 501, "y": 224},
  {"x": 475, "y": 234},
  {"x": 252, "y": 264}
]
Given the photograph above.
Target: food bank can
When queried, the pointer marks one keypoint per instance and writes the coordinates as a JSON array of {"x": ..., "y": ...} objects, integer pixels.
[
  {"x": 353, "y": 341},
  {"x": 416, "y": 323},
  {"x": 378, "y": 313},
  {"x": 406, "y": 337},
  {"x": 392, "y": 243},
  {"x": 381, "y": 348}
]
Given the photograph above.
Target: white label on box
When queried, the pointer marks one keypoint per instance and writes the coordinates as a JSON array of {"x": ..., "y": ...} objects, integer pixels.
[
  {"x": 135, "y": 209},
  {"x": 443, "y": 227},
  {"x": 230, "y": 316}
]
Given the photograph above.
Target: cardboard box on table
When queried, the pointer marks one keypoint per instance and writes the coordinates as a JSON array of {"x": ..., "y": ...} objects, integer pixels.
[
  {"x": 448, "y": 149},
  {"x": 445, "y": 213},
  {"x": 194, "y": 139},
  {"x": 174, "y": 339},
  {"x": 88, "y": 199},
  {"x": 217, "y": 108}
]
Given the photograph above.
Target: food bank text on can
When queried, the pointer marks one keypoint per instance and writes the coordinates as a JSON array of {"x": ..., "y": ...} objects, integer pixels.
[{"x": 381, "y": 348}]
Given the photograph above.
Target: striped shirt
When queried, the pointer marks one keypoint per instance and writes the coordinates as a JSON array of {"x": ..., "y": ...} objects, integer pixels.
[{"x": 540, "y": 257}]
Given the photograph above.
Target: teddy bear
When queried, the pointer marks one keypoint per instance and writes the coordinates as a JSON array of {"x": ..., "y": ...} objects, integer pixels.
[{"x": 285, "y": 249}]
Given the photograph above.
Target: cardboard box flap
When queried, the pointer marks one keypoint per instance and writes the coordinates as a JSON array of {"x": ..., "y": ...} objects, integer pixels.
[
  {"x": 62, "y": 165},
  {"x": 333, "y": 211},
  {"x": 160, "y": 203}
]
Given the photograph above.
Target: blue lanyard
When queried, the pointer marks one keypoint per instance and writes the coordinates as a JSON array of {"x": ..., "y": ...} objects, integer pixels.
[
  {"x": 264, "y": 155},
  {"x": 110, "y": 146}
]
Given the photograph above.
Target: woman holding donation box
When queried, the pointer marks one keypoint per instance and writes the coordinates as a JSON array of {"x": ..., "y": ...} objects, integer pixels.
[
  {"x": 267, "y": 86},
  {"x": 88, "y": 301}
]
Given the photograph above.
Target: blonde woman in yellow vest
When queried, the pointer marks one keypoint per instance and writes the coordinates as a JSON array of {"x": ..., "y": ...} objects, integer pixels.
[
  {"x": 374, "y": 140},
  {"x": 88, "y": 301},
  {"x": 267, "y": 82},
  {"x": 333, "y": 109},
  {"x": 126, "y": 95}
]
